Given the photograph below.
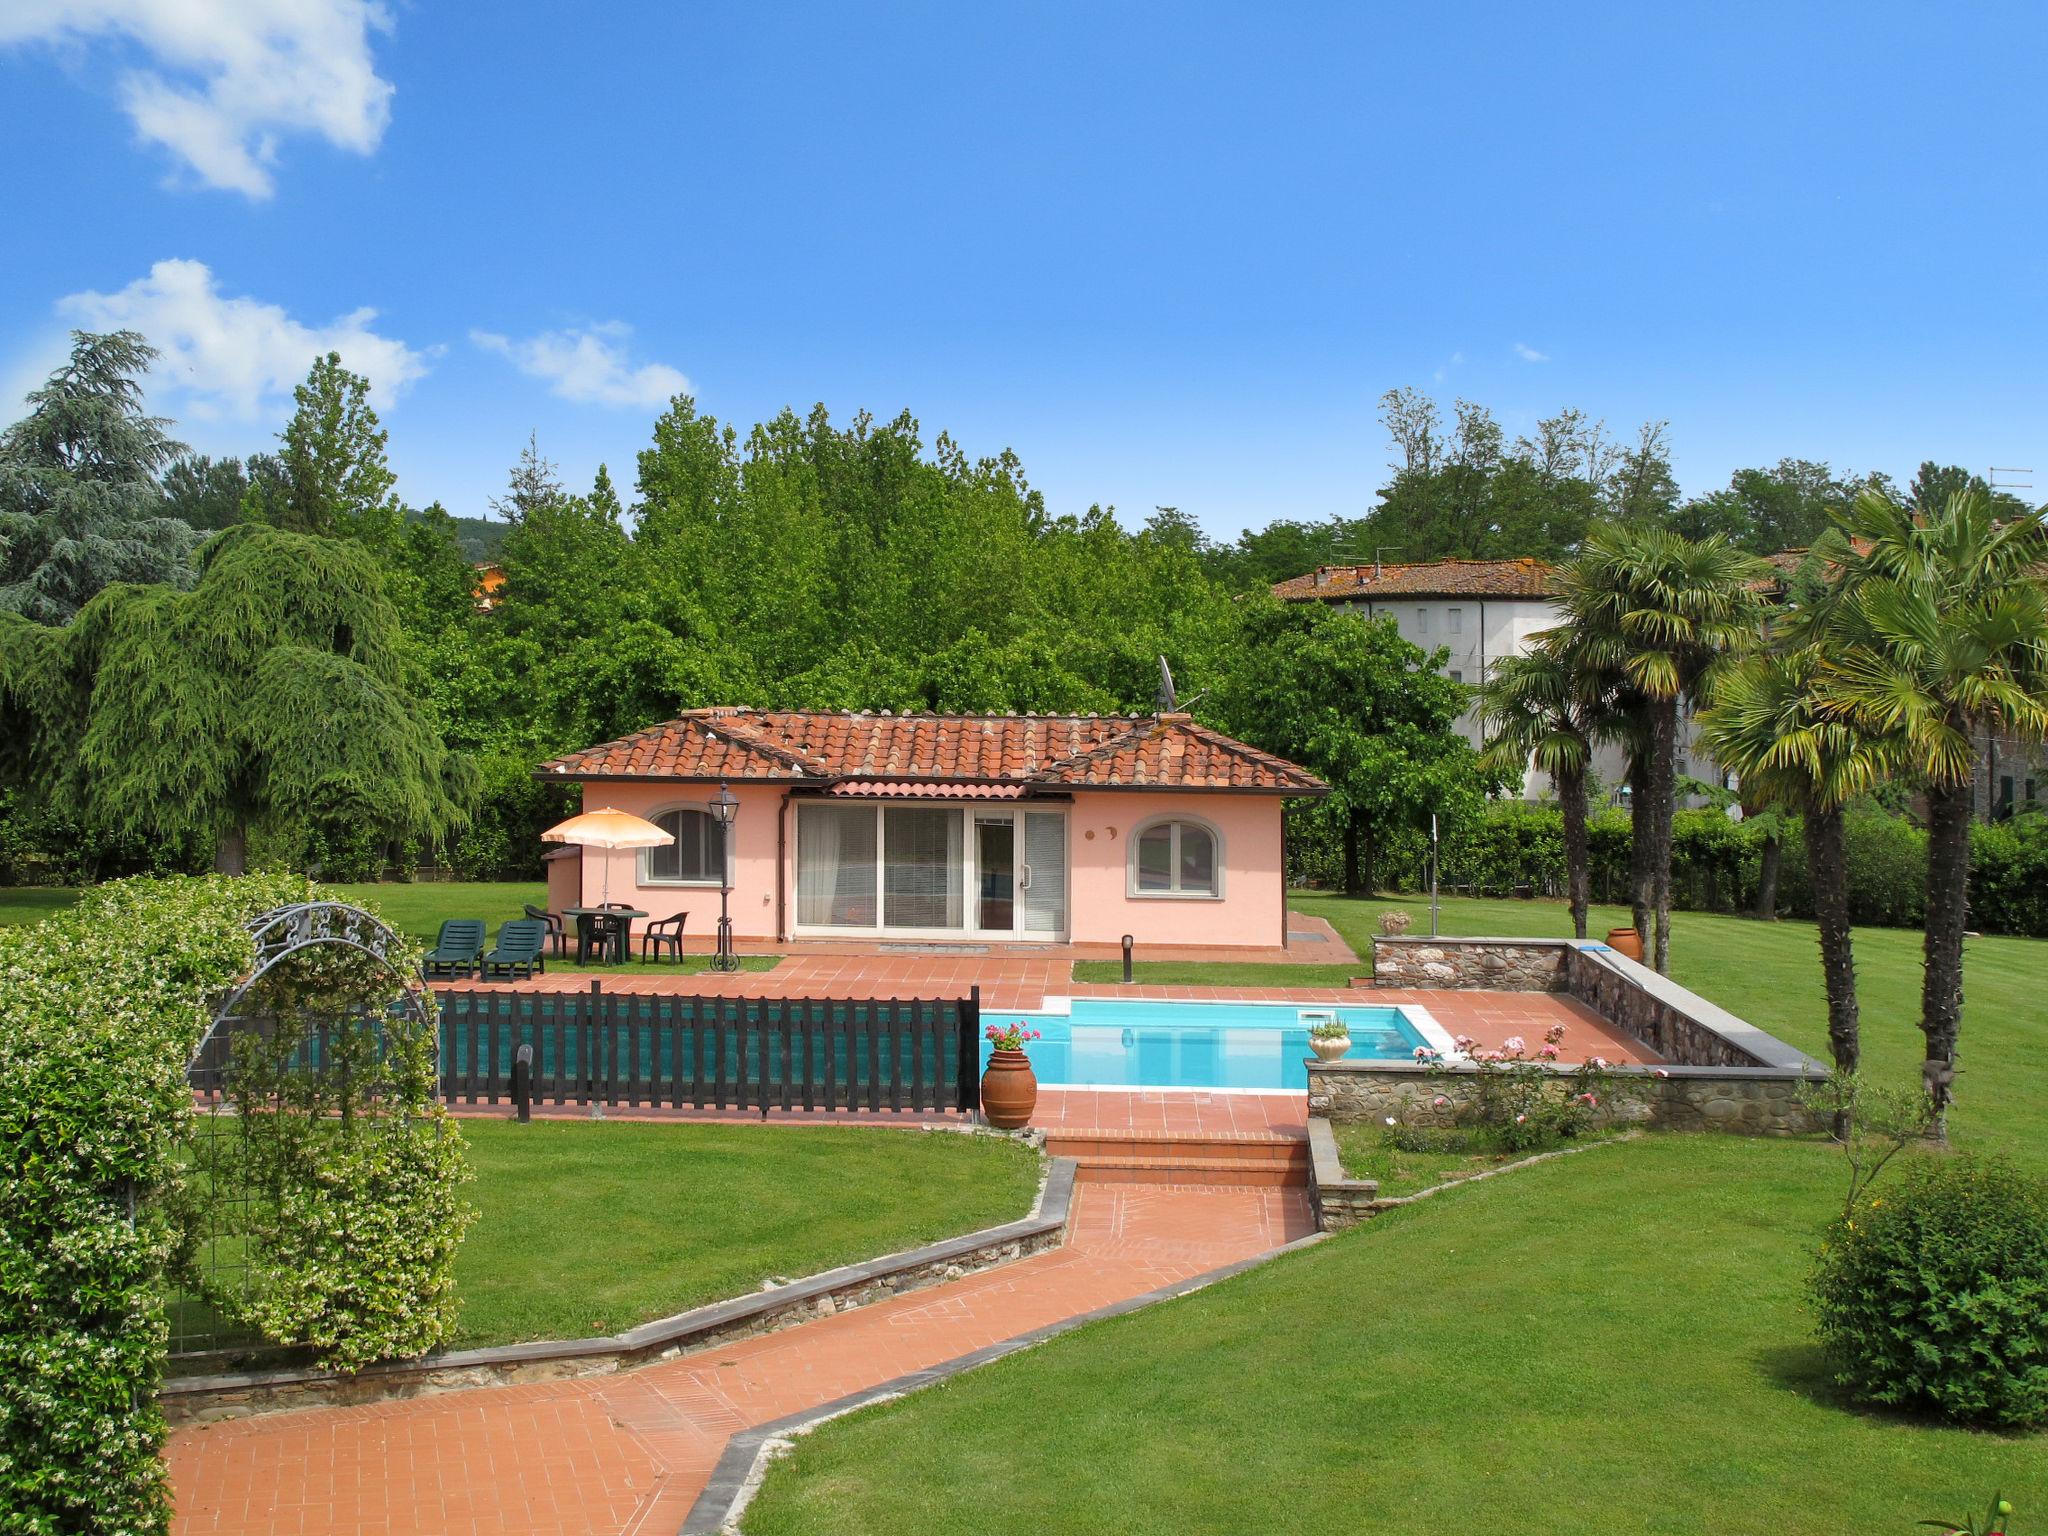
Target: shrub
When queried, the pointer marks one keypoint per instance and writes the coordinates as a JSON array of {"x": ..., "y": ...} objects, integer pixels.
[
  {"x": 2009, "y": 876},
  {"x": 1934, "y": 1295},
  {"x": 100, "y": 1009},
  {"x": 1519, "y": 1100}
]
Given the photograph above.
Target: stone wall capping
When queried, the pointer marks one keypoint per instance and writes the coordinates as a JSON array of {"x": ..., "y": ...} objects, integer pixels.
[{"x": 193, "y": 1399}]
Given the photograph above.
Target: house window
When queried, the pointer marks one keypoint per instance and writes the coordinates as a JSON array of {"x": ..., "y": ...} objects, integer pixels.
[
  {"x": 1457, "y": 676},
  {"x": 1454, "y": 621},
  {"x": 1178, "y": 857},
  {"x": 692, "y": 859},
  {"x": 1422, "y": 621}
]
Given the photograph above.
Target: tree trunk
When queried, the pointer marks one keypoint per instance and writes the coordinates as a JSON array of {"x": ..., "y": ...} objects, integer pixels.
[
  {"x": 1767, "y": 878},
  {"x": 1571, "y": 799},
  {"x": 1948, "y": 897},
  {"x": 1351, "y": 887},
  {"x": 1642, "y": 882},
  {"x": 231, "y": 855},
  {"x": 1664, "y": 793},
  {"x": 1827, "y": 855}
]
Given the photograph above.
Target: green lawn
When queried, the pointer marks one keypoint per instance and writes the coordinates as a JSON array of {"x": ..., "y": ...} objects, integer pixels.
[
  {"x": 588, "y": 1227},
  {"x": 1609, "y": 1341},
  {"x": 1408, "y": 1170}
]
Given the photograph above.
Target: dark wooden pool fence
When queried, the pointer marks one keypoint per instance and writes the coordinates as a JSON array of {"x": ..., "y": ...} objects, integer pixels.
[{"x": 641, "y": 1051}]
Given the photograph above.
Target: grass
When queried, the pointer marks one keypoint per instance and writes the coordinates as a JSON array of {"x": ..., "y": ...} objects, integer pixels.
[
  {"x": 1615, "y": 1332},
  {"x": 1619, "y": 1332},
  {"x": 1406, "y": 1170},
  {"x": 589, "y": 1227},
  {"x": 415, "y": 908}
]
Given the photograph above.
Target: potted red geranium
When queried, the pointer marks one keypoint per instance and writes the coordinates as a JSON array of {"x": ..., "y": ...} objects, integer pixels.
[{"x": 1009, "y": 1088}]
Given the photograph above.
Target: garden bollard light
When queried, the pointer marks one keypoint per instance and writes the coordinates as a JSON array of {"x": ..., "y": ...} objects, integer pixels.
[
  {"x": 522, "y": 1082},
  {"x": 1127, "y": 959}
]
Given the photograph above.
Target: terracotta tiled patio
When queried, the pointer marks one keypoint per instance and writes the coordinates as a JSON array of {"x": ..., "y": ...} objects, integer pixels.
[{"x": 629, "y": 1453}]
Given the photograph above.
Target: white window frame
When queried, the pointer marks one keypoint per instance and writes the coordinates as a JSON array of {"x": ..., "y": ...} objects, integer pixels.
[
  {"x": 1173, "y": 819},
  {"x": 666, "y": 882}
]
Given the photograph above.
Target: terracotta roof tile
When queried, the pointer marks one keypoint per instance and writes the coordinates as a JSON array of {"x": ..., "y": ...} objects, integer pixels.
[
  {"x": 896, "y": 754},
  {"x": 1436, "y": 578}
]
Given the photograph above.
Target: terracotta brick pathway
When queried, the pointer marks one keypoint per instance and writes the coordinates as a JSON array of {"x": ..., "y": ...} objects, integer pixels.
[{"x": 629, "y": 1453}]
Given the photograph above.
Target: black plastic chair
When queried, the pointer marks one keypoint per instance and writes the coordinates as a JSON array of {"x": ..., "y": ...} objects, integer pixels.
[
  {"x": 556, "y": 935},
  {"x": 666, "y": 932}
]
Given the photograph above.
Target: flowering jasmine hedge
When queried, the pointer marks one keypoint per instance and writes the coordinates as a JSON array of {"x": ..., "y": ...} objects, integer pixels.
[{"x": 100, "y": 1009}]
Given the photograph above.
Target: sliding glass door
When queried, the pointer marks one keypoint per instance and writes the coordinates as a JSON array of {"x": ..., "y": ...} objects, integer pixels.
[
  {"x": 931, "y": 871},
  {"x": 923, "y": 867}
]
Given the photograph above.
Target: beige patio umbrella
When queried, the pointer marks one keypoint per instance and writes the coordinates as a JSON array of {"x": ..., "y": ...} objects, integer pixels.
[{"x": 608, "y": 828}]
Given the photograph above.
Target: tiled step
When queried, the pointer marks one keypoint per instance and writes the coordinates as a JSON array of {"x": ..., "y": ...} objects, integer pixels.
[
  {"x": 1086, "y": 1146},
  {"x": 1232, "y": 1172},
  {"x": 1277, "y": 1160}
]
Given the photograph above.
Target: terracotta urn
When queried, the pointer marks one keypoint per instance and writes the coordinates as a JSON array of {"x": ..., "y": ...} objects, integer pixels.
[
  {"x": 1332, "y": 1049},
  {"x": 1626, "y": 941},
  {"x": 1009, "y": 1090}
]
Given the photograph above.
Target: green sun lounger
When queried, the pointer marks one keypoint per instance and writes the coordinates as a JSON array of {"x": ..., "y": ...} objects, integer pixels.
[
  {"x": 521, "y": 949},
  {"x": 459, "y": 949}
]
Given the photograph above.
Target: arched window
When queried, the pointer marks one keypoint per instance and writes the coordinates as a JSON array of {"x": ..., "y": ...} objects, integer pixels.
[
  {"x": 1176, "y": 857},
  {"x": 693, "y": 858}
]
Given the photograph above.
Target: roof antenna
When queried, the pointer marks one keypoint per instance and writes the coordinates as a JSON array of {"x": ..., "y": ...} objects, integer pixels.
[
  {"x": 1167, "y": 704},
  {"x": 1379, "y": 550}
]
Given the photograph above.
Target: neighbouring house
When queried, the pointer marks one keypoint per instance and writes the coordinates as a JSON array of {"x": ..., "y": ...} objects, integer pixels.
[
  {"x": 1022, "y": 828},
  {"x": 1478, "y": 610}
]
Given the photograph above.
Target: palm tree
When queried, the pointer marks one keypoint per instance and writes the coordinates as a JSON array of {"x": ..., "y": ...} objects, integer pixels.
[
  {"x": 1547, "y": 706},
  {"x": 1793, "y": 750},
  {"x": 1942, "y": 620},
  {"x": 1663, "y": 614}
]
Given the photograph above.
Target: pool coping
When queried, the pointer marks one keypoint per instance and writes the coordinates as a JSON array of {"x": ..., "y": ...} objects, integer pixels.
[
  {"x": 191, "y": 1400},
  {"x": 744, "y": 1463}
]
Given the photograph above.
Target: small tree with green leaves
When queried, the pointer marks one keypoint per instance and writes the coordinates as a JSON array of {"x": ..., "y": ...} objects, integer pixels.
[
  {"x": 1548, "y": 707},
  {"x": 337, "y": 480}
]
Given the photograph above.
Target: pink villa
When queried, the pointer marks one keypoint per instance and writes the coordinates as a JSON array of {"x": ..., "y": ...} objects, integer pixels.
[{"x": 1032, "y": 828}]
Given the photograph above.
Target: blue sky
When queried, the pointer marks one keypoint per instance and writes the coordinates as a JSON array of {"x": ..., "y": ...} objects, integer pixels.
[{"x": 1171, "y": 255}]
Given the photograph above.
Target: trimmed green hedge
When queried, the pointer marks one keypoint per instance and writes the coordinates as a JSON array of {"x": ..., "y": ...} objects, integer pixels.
[
  {"x": 1515, "y": 848},
  {"x": 100, "y": 1009}
]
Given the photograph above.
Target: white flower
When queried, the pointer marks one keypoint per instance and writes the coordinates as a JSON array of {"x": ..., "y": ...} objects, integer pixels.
[{"x": 1391, "y": 1120}]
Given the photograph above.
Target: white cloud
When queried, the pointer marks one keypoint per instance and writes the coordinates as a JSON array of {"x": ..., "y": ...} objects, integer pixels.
[
  {"x": 236, "y": 356},
  {"x": 1529, "y": 354},
  {"x": 1443, "y": 372},
  {"x": 588, "y": 363},
  {"x": 230, "y": 76}
]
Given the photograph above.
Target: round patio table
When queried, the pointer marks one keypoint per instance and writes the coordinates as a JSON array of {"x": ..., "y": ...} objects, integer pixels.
[{"x": 604, "y": 929}]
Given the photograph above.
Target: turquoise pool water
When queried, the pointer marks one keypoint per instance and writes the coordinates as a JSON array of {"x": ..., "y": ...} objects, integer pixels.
[{"x": 1113, "y": 1043}]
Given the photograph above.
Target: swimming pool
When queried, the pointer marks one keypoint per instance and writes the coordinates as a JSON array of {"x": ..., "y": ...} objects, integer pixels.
[{"x": 1106, "y": 1042}]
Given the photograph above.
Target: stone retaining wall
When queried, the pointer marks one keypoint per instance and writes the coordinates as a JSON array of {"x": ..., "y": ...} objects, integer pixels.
[
  {"x": 1746, "y": 1101},
  {"x": 1490, "y": 965}
]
